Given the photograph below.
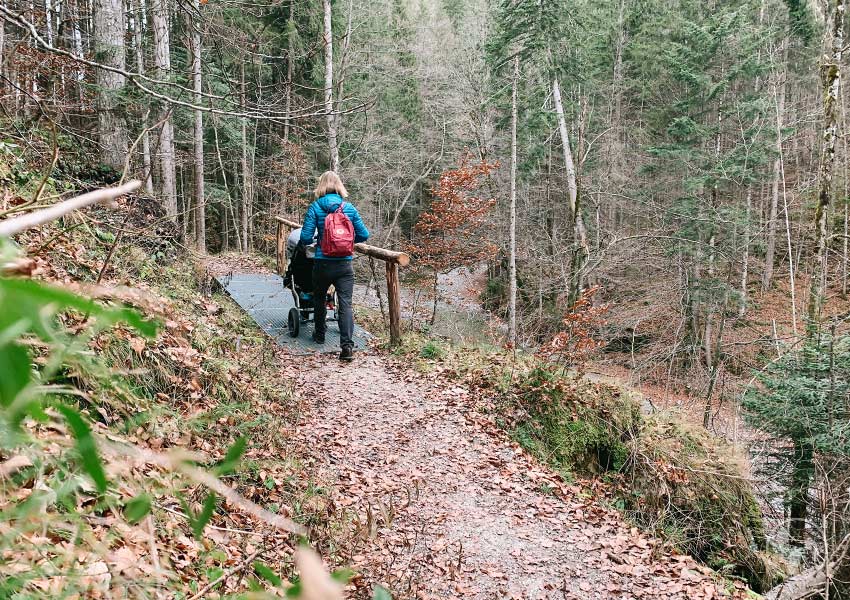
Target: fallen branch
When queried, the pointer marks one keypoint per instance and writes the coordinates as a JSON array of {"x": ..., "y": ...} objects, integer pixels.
[{"x": 15, "y": 225}]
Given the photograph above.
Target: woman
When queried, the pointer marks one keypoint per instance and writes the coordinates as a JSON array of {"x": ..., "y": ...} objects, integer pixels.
[{"x": 330, "y": 193}]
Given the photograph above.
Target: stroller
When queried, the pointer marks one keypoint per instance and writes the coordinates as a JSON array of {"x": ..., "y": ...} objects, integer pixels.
[{"x": 299, "y": 279}]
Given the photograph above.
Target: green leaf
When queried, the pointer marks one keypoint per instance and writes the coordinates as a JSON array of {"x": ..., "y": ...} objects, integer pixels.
[
  {"x": 137, "y": 508},
  {"x": 294, "y": 591},
  {"x": 25, "y": 299},
  {"x": 231, "y": 459},
  {"x": 204, "y": 516},
  {"x": 381, "y": 593},
  {"x": 104, "y": 236},
  {"x": 266, "y": 573},
  {"x": 86, "y": 446},
  {"x": 214, "y": 573},
  {"x": 15, "y": 370},
  {"x": 342, "y": 575}
]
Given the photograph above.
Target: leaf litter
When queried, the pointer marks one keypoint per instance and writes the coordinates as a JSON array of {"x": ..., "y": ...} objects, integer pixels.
[{"x": 443, "y": 504}]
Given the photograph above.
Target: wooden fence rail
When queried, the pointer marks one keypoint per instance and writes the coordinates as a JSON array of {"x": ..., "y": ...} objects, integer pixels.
[{"x": 392, "y": 260}]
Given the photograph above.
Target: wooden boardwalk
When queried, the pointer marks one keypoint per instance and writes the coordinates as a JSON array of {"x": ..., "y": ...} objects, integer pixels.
[{"x": 265, "y": 299}]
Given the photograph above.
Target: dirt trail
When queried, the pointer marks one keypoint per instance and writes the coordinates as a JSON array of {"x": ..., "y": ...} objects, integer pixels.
[{"x": 449, "y": 507}]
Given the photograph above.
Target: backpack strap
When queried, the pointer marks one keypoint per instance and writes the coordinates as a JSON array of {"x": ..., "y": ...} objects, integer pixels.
[{"x": 339, "y": 210}]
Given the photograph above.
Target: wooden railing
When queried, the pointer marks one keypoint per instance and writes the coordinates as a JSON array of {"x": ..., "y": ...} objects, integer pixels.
[{"x": 392, "y": 259}]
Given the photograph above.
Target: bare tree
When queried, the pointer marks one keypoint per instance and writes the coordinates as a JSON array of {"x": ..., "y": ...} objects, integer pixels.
[
  {"x": 140, "y": 66},
  {"x": 580, "y": 248},
  {"x": 773, "y": 212},
  {"x": 831, "y": 73},
  {"x": 512, "y": 334}
]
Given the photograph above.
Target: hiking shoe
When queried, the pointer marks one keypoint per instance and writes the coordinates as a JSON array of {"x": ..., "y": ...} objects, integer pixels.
[
  {"x": 319, "y": 338},
  {"x": 347, "y": 354}
]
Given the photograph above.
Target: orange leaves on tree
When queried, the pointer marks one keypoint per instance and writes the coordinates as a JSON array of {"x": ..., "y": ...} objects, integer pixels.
[
  {"x": 452, "y": 232},
  {"x": 574, "y": 345}
]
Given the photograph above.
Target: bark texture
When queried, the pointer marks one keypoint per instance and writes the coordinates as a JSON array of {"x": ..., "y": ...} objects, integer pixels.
[
  {"x": 109, "y": 50},
  {"x": 831, "y": 73},
  {"x": 200, "y": 201},
  {"x": 162, "y": 61},
  {"x": 512, "y": 235},
  {"x": 329, "y": 87},
  {"x": 580, "y": 249}
]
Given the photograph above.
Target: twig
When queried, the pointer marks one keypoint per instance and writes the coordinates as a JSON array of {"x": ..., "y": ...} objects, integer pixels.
[
  {"x": 241, "y": 566},
  {"x": 16, "y": 225},
  {"x": 211, "y": 526},
  {"x": 152, "y": 540}
]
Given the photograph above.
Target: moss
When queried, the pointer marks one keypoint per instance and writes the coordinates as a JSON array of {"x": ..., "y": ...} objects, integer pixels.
[
  {"x": 582, "y": 432},
  {"x": 691, "y": 487}
]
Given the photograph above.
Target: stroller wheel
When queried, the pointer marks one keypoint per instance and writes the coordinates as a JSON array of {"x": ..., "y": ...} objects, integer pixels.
[{"x": 294, "y": 322}]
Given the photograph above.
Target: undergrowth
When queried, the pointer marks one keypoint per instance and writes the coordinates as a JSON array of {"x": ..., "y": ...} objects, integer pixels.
[
  {"x": 668, "y": 477},
  {"x": 206, "y": 391}
]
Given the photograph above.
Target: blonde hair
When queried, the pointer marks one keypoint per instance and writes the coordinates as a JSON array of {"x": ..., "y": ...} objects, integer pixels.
[{"x": 330, "y": 183}]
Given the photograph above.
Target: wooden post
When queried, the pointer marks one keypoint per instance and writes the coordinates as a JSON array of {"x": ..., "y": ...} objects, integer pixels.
[
  {"x": 281, "y": 248},
  {"x": 394, "y": 295}
]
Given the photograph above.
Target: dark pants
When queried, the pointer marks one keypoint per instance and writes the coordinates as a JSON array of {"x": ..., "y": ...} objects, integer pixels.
[{"x": 340, "y": 274}]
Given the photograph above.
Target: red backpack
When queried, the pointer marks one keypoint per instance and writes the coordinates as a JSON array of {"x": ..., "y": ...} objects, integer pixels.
[{"x": 338, "y": 237}]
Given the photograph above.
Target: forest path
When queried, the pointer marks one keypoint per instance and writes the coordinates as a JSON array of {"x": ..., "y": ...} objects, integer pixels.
[{"x": 449, "y": 507}]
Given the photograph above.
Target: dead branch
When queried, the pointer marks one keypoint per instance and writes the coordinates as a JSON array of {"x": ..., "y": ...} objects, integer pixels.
[
  {"x": 812, "y": 581},
  {"x": 16, "y": 225}
]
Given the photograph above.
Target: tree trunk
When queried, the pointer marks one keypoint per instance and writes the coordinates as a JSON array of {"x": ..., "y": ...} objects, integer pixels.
[
  {"x": 162, "y": 61},
  {"x": 247, "y": 187},
  {"x": 200, "y": 202},
  {"x": 831, "y": 73},
  {"x": 617, "y": 80},
  {"x": 580, "y": 250},
  {"x": 846, "y": 238},
  {"x": 512, "y": 337},
  {"x": 844, "y": 256},
  {"x": 745, "y": 260},
  {"x": 225, "y": 230},
  {"x": 140, "y": 67},
  {"x": 290, "y": 67},
  {"x": 792, "y": 271},
  {"x": 770, "y": 245},
  {"x": 109, "y": 50},
  {"x": 77, "y": 33},
  {"x": 2, "y": 57},
  {"x": 436, "y": 298},
  {"x": 798, "y": 492},
  {"x": 329, "y": 87}
]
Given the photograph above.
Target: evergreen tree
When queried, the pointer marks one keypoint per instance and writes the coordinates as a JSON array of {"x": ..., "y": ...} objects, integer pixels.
[{"x": 803, "y": 398}]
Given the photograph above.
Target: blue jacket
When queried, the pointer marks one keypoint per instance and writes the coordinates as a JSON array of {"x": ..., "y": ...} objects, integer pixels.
[{"x": 315, "y": 220}]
